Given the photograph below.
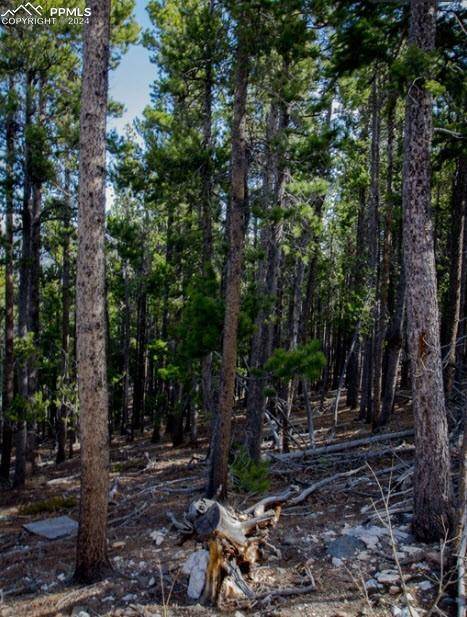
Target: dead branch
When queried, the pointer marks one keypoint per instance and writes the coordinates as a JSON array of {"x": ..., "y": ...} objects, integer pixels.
[
  {"x": 344, "y": 445},
  {"x": 461, "y": 557}
]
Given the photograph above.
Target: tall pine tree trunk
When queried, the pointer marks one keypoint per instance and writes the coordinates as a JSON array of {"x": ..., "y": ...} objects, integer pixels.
[
  {"x": 221, "y": 443},
  {"x": 453, "y": 303},
  {"x": 24, "y": 294},
  {"x": 394, "y": 339},
  {"x": 66, "y": 289},
  {"x": 267, "y": 280},
  {"x": 432, "y": 482},
  {"x": 126, "y": 352},
  {"x": 91, "y": 554},
  {"x": 140, "y": 372},
  {"x": 366, "y": 402},
  {"x": 379, "y": 419},
  {"x": 206, "y": 212},
  {"x": 8, "y": 361},
  {"x": 374, "y": 372}
]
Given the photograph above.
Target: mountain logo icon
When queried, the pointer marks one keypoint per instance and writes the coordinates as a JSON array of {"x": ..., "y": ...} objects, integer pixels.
[{"x": 28, "y": 8}]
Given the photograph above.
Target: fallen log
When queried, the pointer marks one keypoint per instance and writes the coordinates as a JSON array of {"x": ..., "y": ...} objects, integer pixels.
[
  {"x": 460, "y": 564},
  {"x": 343, "y": 445}
]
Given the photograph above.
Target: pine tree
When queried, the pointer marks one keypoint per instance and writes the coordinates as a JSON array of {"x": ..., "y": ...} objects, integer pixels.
[
  {"x": 91, "y": 555},
  {"x": 432, "y": 481}
]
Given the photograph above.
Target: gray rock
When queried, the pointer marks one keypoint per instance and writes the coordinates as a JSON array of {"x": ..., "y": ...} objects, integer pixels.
[
  {"x": 345, "y": 546},
  {"x": 80, "y": 611},
  {"x": 196, "y": 566},
  {"x": 387, "y": 577},
  {"x": 372, "y": 586},
  {"x": 52, "y": 528}
]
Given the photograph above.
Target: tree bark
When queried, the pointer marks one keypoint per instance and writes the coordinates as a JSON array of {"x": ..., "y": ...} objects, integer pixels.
[
  {"x": 206, "y": 208},
  {"x": 8, "y": 360},
  {"x": 221, "y": 444},
  {"x": 267, "y": 280},
  {"x": 373, "y": 376},
  {"x": 66, "y": 289},
  {"x": 379, "y": 419},
  {"x": 126, "y": 352},
  {"x": 91, "y": 554},
  {"x": 24, "y": 294},
  {"x": 453, "y": 303},
  {"x": 432, "y": 483},
  {"x": 140, "y": 373},
  {"x": 394, "y": 340}
]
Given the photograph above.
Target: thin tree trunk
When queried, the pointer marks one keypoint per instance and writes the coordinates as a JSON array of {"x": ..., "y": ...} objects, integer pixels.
[
  {"x": 394, "y": 341},
  {"x": 379, "y": 419},
  {"x": 66, "y": 283},
  {"x": 24, "y": 297},
  {"x": 34, "y": 289},
  {"x": 353, "y": 377},
  {"x": 366, "y": 405},
  {"x": 355, "y": 369},
  {"x": 126, "y": 352},
  {"x": 374, "y": 384},
  {"x": 8, "y": 360},
  {"x": 221, "y": 444},
  {"x": 433, "y": 505},
  {"x": 140, "y": 373},
  {"x": 91, "y": 553},
  {"x": 206, "y": 210},
  {"x": 267, "y": 280},
  {"x": 453, "y": 304},
  {"x": 343, "y": 373},
  {"x": 293, "y": 334}
]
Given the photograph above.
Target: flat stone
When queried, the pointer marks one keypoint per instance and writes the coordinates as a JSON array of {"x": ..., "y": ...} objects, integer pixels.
[
  {"x": 387, "y": 577},
  {"x": 370, "y": 535},
  {"x": 336, "y": 562},
  {"x": 345, "y": 546},
  {"x": 53, "y": 528}
]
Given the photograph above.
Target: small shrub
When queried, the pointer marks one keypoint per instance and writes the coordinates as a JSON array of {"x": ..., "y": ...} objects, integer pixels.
[
  {"x": 249, "y": 476},
  {"x": 52, "y": 504}
]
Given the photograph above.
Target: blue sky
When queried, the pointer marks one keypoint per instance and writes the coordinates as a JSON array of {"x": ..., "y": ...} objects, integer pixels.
[{"x": 129, "y": 83}]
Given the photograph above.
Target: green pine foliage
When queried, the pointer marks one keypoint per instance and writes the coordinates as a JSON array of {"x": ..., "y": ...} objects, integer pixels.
[{"x": 249, "y": 476}]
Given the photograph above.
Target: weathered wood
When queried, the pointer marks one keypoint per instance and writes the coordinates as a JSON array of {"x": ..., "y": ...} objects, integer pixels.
[
  {"x": 461, "y": 556},
  {"x": 258, "y": 508},
  {"x": 324, "y": 482},
  {"x": 234, "y": 541},
  {"x": 344, "y": 445},
  {"x": 218, "y": 521}
]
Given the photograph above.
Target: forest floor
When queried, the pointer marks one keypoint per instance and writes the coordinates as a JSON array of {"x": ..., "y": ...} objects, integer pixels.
[{"x": 149, "y": 480}]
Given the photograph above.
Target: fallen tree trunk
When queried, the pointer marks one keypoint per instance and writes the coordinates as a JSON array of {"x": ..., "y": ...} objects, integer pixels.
[
  {"x": 461, "y": 558},
  {"x": 344, "y": 445}
]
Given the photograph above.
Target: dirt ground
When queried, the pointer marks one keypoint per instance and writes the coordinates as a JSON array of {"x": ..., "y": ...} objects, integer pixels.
[{"x": 149, "y": 480}]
